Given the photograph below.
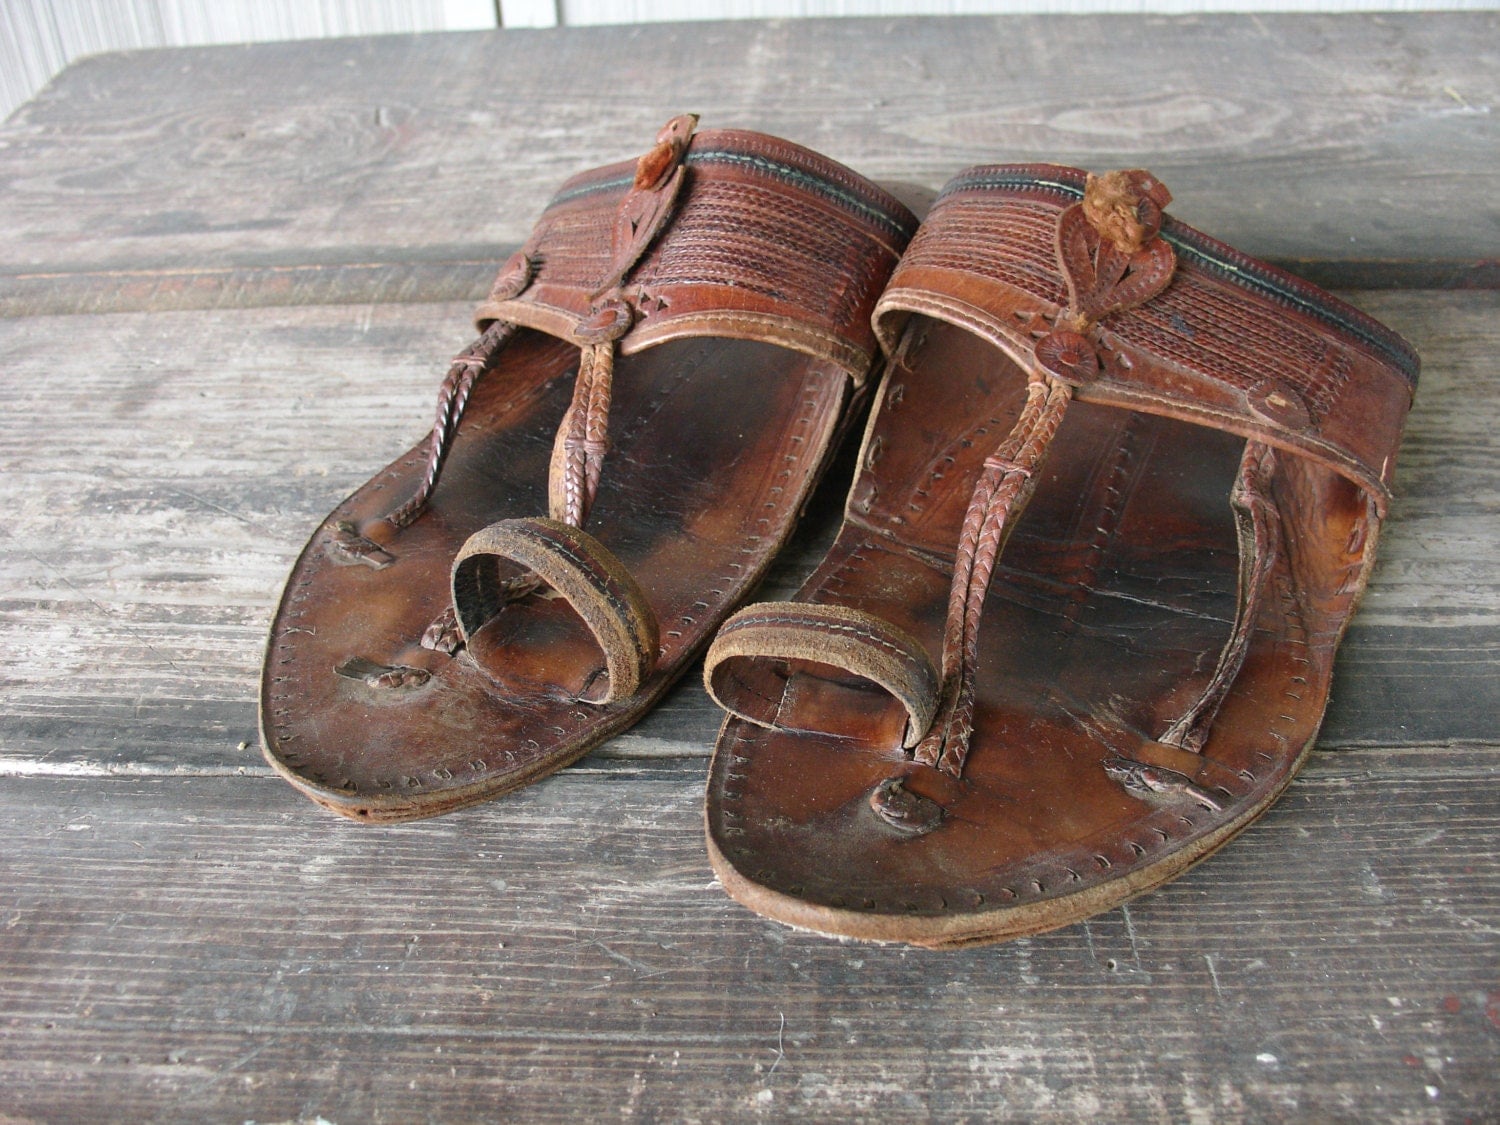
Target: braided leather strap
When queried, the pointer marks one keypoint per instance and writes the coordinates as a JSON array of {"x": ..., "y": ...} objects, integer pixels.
[
  {"x": 1257, "y": 524},
  {"x": 1003, "y": 489},
  {"x": 453, "y": 398}
]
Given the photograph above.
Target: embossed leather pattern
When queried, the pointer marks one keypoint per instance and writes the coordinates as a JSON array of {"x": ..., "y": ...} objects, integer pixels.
[
  {"x": 1127, "y": 483},
  {"x": 1233, "y": 343},
  {"x": 770, "y": 241}
]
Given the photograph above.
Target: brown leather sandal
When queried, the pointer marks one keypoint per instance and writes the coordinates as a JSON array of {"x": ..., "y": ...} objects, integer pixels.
[
  {"x": 703, "y": 315},
  {"x": 1206, "y": 445}
]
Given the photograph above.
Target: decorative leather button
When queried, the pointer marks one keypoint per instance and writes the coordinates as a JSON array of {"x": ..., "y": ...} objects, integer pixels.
[
  {"x": 904, "y": 810},
  {"x": 1068, "y": 356},
  {"x": 608, "y": 321},
  {"x": 1278, "y": 404}
]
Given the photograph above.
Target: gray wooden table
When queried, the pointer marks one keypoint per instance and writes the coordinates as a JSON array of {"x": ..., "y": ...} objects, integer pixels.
[{"x": 228, "y": 281}]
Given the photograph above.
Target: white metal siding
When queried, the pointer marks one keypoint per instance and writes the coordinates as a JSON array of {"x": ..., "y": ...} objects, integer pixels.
[{"x": 39, "y": 37}]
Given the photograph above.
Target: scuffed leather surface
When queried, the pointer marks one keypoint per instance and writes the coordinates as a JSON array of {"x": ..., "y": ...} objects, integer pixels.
[{"x": 750, "y": 312}]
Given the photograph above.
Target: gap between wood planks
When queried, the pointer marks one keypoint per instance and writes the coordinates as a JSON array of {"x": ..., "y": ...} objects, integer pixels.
[
  {"x": 420, "y": 280},
  {"x": 628, "y": 765}
]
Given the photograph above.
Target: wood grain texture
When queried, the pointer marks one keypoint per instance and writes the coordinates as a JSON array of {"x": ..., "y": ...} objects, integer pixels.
[
  {"x": 39, "y": 37},
  {"x": 449, "y": 277},
  {"x": 156, "y": 505},
  {"x": 1365, "y": 139},
  {"x": 298, "y": 230},
  {"x": 215, "y": 949}
]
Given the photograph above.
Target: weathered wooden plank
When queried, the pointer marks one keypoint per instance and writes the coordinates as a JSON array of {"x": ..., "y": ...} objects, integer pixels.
[
  {"x": 91, "y": 292},
  {"x": 41, "y": 35},
  {"x": 1365, "y": 140},
  {"x": 217, "y": 948},
  {"x": 456, "y": 275},
  {"x": 1448, "y": 475},
  {"x": 210, "y": 946},
  {"x": 159, "y": 473}
]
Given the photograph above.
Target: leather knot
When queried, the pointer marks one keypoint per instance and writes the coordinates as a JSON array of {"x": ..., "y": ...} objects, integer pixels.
[
  {"x": 1110, "y": 253},
  {"x": 1125, "y": 207},
  {"x": 905, "y": 811},
  {"x": 1005, "y": 465},
  {"x": 651, "y": 170},
  {"x": 513, "y": 278}
]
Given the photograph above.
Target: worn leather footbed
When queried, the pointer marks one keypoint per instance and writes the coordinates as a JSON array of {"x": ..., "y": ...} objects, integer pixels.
[
  {"x": 1112, "y": 600},
  {"x": 717, "y": 444}
]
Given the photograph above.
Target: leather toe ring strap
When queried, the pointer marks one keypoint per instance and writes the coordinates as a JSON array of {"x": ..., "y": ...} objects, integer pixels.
[
  {"x": 580, "y": 568},
  {"x": 740, "y": 680}
]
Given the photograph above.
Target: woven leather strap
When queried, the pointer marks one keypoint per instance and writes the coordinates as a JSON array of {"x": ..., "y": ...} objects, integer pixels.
[
  {"x": 1231, "y": 342},
  {"x": 766, "y": 241}
]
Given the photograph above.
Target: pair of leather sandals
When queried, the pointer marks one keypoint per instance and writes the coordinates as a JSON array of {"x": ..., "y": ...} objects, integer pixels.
[{"x": 1118, "y": 495}]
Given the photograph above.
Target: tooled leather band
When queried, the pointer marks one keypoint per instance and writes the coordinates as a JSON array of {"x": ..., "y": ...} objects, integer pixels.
[
  {"x": 578, "y": 567},
  {"x": 857, "y": 642},
  {"x": 767, "y": 241},
  {"x": 1231, "y": 342}
]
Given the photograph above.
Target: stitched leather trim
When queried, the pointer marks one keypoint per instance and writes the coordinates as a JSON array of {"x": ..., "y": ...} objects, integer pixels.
[
  {"x": 751, "y": 326},
  {"x": 903, "y": 227},
  {"x": 583, "y": 191},
  {"x": 766, "y": 240}
]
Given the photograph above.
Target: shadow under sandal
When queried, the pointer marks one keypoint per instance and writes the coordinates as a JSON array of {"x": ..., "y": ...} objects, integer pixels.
[
  {"x": 660, "y": 377},
  {"x": 1115, "y": 506}
]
